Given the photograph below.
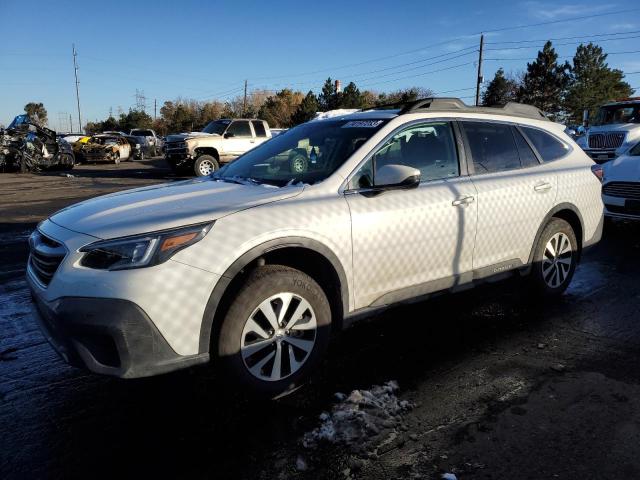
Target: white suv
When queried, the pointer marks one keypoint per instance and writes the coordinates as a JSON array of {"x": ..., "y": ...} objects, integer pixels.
[{"x": 252, "y": 267}]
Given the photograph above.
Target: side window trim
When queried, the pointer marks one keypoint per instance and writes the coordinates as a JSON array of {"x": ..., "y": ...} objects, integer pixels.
[
  {"x": 530, "y": 143},
  {"x": 514, "y": 132},
  {"x": 457, "y": 140},
  {"x": 238, "y": 122}
]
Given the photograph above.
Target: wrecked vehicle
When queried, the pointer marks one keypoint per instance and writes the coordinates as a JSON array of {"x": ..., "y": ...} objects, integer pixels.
[
  {"x": 106, "y": 148},
  {"x": 27, "y": 146}
]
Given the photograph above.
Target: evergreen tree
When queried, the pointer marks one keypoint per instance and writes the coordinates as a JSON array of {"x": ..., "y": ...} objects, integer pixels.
[
  {"x": 500, "y": 90},
  {"x": 351, "y": 97},
  {"x": 306, "y": 110},
  {"x": 545, "y": 82},
  {"x": 329, "y": 99},
  {"x": 592, "y": 82}
]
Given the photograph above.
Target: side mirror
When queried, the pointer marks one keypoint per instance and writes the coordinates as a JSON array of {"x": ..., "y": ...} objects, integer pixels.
[
  {"x": 229, "y": 135},
  {"x": 394, "y": 176}
]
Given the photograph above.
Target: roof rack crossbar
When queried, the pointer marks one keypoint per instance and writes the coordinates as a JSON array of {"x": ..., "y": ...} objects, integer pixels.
[{"x": 455, "y": 104}]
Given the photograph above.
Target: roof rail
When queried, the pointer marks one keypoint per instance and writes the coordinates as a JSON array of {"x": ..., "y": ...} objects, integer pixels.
[{"x": 455, "y": 104}]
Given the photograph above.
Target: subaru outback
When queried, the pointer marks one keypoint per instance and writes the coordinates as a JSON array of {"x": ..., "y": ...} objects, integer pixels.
[{"x": 253, "y": 267}]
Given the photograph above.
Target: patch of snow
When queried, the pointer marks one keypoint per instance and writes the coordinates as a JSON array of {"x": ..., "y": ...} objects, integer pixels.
[
  {"x": 340, "y": 112},
  {"x": 448, "y": 476},
  {"x": 360, "y": 420}
]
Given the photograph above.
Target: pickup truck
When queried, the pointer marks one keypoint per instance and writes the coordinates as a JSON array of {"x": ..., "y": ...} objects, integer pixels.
[
  {"x": 149, "y": 141},
  {"x": 219, "y": 142}
]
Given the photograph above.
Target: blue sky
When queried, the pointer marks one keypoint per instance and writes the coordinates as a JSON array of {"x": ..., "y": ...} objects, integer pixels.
[{"x": 205, "y": 50}]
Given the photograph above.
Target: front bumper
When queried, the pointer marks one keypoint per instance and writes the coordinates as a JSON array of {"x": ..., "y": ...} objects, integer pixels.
[
  {"x": 619, "y": 207},
  {"x": 601, "y": 155},
  {"x": 179, "y": 157},
  {"x": 108, "y": 336}
]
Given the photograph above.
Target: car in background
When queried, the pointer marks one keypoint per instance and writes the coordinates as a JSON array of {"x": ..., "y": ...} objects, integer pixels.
[
  {"x": 615, "y": 129},
  {"x": 621, "y": 186},
  {"x": 107, "y": 147},
  {"x": 148, "y": 141},
  {"x": 219, "y": 142}
]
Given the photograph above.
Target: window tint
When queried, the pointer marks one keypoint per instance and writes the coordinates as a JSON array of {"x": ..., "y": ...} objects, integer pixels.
[
  {"x": 527, "y": 157},
  {"x": 549, "y": 147},
  {"x": 492, "y": 147},
  {"x": 240, "y": 129},
  {"x": 258, "y": 127}
]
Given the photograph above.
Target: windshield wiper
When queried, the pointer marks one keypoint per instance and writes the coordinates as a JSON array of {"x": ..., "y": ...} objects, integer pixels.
[{"x": 239, "y": 180}]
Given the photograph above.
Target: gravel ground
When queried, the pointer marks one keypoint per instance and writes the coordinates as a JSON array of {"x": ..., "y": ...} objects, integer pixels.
[{"x": 483, "y": 384}]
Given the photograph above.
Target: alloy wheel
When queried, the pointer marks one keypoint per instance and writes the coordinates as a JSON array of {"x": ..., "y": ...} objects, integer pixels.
[
  {"x": 278, "y": 337},
  {"x": 556, "y": 260},
  {"x": 206, "y": 168}
]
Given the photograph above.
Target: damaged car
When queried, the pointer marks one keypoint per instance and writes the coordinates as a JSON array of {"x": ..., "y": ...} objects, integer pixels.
[
  {"x": 27, "y": 146},
  {"x": 107, "y": 148}
]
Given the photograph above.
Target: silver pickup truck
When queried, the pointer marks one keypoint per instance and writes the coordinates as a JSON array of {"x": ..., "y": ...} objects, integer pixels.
[{"x": 219, "y": 142}]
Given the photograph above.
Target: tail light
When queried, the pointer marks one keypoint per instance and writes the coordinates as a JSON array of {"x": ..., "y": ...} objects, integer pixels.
[{"x": 598, "y": 171}]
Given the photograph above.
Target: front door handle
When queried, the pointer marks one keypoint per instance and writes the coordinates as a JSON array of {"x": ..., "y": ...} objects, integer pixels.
[
  {"x": 542, "y": 187},
  {"x": 462, "y": 202}
]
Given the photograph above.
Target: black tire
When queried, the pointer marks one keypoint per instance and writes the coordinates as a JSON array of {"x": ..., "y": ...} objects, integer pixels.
[
  {"x": 262, "y": 284},
  {"x": 67, "y": 161},
  {"x": 116, "y": 158},
  {"x": 550, "y": 276},
  {"x": 141, "y": 155},
  {"x": 199, "y": 166},
  {"x": 298, "y": 163}
]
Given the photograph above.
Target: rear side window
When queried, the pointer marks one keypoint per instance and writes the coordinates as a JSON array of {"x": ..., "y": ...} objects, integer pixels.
[
  {"x": 258, "y": 127},
  {"x": 548, "y": 146},
  {"x": 492, "y": 146},
  {"x": 527, "y": 157}
]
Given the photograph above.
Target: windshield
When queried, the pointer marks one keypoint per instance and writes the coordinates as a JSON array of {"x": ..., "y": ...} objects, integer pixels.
[
  {"x": 308, "y": 153},
  {"x": 617, "y": 114},
  {"x": 104, "y": 140},
  {"x": 217, "y": 127},
  {"x": 142, "y": 133}
]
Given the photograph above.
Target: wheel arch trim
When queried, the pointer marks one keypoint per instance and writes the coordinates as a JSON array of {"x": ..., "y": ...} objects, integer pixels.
[
  {"x": 552, "y": 213},
  {"x": 206, "y": 328}
]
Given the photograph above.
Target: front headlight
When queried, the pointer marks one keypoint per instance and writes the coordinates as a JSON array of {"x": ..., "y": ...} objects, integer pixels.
[{"x": 141, "y": 250}]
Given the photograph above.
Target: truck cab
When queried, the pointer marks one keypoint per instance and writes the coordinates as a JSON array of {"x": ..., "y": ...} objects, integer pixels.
[
  {"x": 219, "y": 142},
  {"x": 614, "y": 130}
]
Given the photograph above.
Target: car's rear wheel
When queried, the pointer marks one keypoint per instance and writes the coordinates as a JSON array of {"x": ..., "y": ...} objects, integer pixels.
[
  {"x": 555, "y": 258},
  {"x": 298, "y": 164},
  {"x": 275, "y": 331},
  {"x": 67, "y": 161},
  {"x": 205, "y": 165}
]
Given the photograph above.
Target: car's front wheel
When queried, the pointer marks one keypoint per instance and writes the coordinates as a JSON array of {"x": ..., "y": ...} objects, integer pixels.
[
  {"x": 555, "y": 258},
  {"x": 205, "y": 165},
  {"x": 275, "y": 331}
]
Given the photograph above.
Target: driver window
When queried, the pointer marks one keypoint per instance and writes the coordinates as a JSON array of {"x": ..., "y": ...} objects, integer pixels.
[
  {"x": 239, "y": 129},
  {"x": 429, "y": 147}
]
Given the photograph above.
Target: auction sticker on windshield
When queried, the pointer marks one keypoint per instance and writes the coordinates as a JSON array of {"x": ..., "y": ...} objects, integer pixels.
[{"x": 363, "y": 124}]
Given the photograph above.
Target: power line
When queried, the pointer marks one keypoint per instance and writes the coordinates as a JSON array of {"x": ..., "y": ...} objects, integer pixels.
[
  {"x": 562, "y": 44},
  {"x": 422, "y": 74},
  {"x": 565, "y": 38},
  {"x": 529, "y": 58}
]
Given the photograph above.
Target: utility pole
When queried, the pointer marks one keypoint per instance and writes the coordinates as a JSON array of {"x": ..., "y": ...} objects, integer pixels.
[
  {"x": 155, "y": 109},
  {"x": 70, "y": 124},
  {"x": 75, "y": 71},
  {"x": 479, "y": 79},
  {"x": 244, "y": 102}
]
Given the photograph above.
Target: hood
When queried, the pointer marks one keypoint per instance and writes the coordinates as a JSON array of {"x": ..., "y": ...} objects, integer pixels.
[
  {"x": 177, "y": 137},
  {"x": 623, "y": 169},
  {"x": 617, "y": 127},
  {"x": 170, "y": 205}
]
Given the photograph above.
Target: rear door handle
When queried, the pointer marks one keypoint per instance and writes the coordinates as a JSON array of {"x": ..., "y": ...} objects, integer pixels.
[
  {"x": 461, "y": 202},
  {"x": 542, "y": 187}
]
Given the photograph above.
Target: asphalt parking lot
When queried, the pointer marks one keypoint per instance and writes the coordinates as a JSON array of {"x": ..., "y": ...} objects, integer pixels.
[{"x": 490, "y": 384}]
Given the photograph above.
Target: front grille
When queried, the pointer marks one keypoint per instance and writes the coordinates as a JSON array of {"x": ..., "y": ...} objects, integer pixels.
[
  {"x": 175, "y": 145},
  {"x": 45, "y": 256},
  {"x": 622, "y": 189},
  {"x": 606, "y": 140},
  {"x": 623, "y": 210}
]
